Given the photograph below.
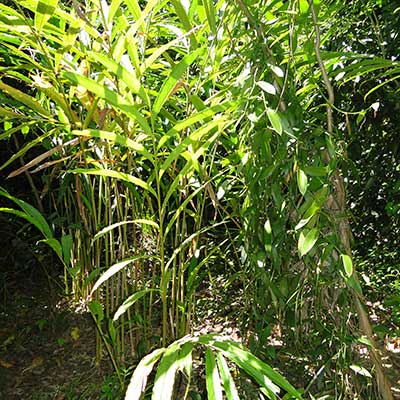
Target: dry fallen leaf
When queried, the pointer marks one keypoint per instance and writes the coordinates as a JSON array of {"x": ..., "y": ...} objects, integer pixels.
[
  {"x": 36, "y": 362},
  {"x": 75, "y": 333},
  {"x": 6, "y": 364}
]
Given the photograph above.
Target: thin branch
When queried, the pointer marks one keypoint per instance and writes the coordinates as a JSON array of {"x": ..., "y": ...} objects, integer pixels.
[{"x": 327, "y": 82}]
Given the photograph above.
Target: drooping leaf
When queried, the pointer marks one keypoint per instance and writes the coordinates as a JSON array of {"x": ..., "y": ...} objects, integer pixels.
[
  {"x": 302, "y": 181},
  {"x": 31, "y": 214},
  {"x": 110, "y": 96},
  {"x": 25, "y": 99},
  {"x": 307, "y": 242},
  {"x": 130, "y": 301},
  {"x": 347, "y": 264},
  {"x": 172, "y": 80},
  {"x": 166, "y": 371},
  {"x": 262, "y": 373},
  {"x": 109, "y": 228},
  {"x": 114, "y": 269},
  {"x": 267, "y": 87},
  {"x": 120, "y": 139},
  {"x": 137, "y": 384},
  {"x": 227, "y": 380},
  {"x": 213, "y": 380},
  {"x": 117, "y": 175},
  {"x": 275, "y": 120},
  {"x": 123, "y": 74}
]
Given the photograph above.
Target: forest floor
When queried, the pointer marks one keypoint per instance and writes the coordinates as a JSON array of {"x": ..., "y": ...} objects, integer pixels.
[{"x": 47, "y": 348}]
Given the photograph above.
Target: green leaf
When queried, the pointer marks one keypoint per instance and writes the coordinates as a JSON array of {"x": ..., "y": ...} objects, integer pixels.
[
  {"x": 263, "y": 374},
  {"x": 130, "y": 301},
  {"x": 227, "y": 380},
  {"x": 303, "y": 6},
  {"x": 112, "y": 331},
  {"x": 316, "y": 171},
  {"x": 181, "y": 13},
  {"x": 110, "y": 96},
  {"x": 185, "y": 360},
  {"x": 353, "y": 283},
  {"x": 109, "y": 228},
  {"x": 361, "y": 370},
  {"x": 66, "y": 244},
  {"x": 203, "y": 115},
  {"x": 275, "y": 120},
  {"x": 117, "y": 175},
  {"x": 25, "y": 99},
  {"x": 302, "y": 181},
  {"x": 193, "y": 139},
  {"x": 166, "y": 371},
  {"x": 213, "y": 380},
  {"x": 172, "y": 80},
  {"x": 30, "y": 213},
  {"x": 122, "y": 74},
  {"x": 137, "y": 384},
  {"x": 97, "y": 310},
  {"x": 211, "y": 12},
  {"x": 114, "y": 269},
  {"x": 307, "y": 242},
  {"x": 267, "y": 87},
  {"x": 45, "y": 9},
  {"x": 114, "y": 137},
  {"x": 55, "y": 245},
  {"x": 347, "y": 264}
]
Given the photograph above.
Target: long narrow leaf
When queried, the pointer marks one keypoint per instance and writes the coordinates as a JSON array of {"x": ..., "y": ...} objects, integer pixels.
[
  {"x": 109, "y": 228},
  {"x": 130, "y": 301},
  {"x": 137, "y": 384},
  {"x": 213, "y": 380},
  {"x": 227, "y": 380},
  {"x": 114, "y": 269},
  {"x": 263, "y": 374},
  {"x": 34, "y": 215},
  {"x": 25, "y": 99},
  {"x": 173, "y": 79},
  {"x": 166, "y": 371},
  {"x": 110, "y": 96},
  {"x": 117, "y": 175},
  {"x": 45, "y": 9},
  {"x": 115, "y": 137},
  {"x": 123, "y": 74}
]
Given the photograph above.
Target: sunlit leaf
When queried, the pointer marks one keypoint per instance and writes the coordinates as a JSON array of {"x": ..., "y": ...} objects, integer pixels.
[
  {"x": 114, "y": 269},
  {"x": 120, "y": 139},
  {"x": 307, "y": 242},
  {"x": 213, "y": 380},
  {"x": 112, "y": 97},
  {"x": 165, "y": 376},
  {"x": 109, "y": 228},
  {"x": 130, "y": 301},
  {"x": 45, "y": 9},
  {"x": 275, "y": 120},
  {"x": 25, "y": 99},
  {"x": 227, "y": 379},
  {"x": 117, "y": 175},
  {"x": 173, "y": 78},
  {"x": 347, "y": 264},
  {"x": 302, "y": 181},
  {"x": 267, "y": 87},
  {"x": 361, "y": 370}
]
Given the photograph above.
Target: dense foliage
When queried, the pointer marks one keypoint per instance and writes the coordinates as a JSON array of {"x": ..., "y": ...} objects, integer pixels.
[{"x": 180, "y": 142}]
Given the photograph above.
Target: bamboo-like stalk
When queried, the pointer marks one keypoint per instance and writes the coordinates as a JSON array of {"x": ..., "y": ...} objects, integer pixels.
[{"x": 343, "y": 224}]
